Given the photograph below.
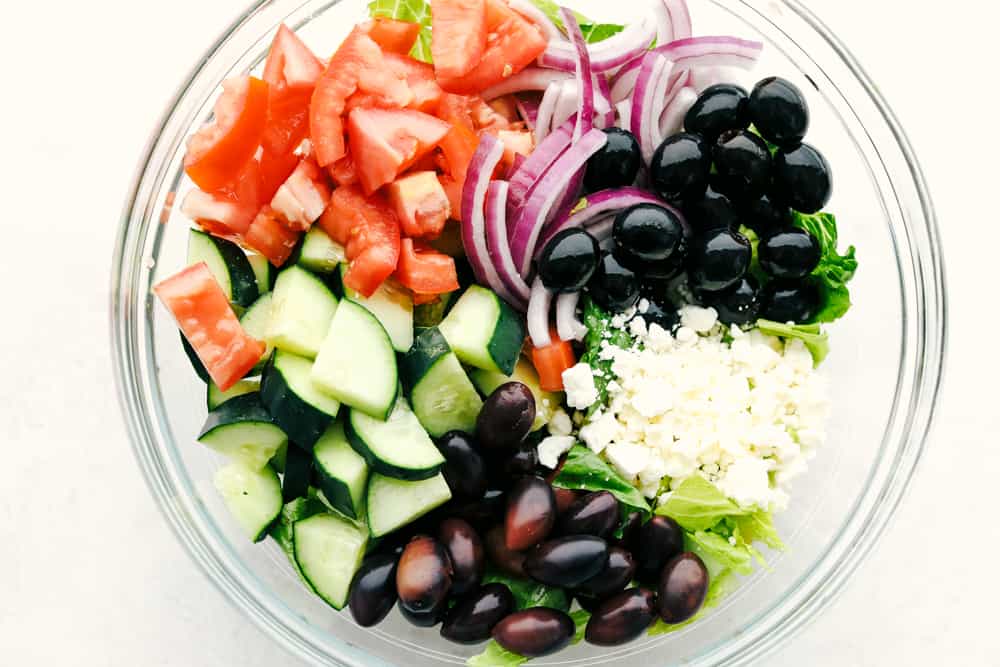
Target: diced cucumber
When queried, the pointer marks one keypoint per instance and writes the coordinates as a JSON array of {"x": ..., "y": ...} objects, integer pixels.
[
  {"x": 301, "y": 312},
  {"x": 398, "y": 447},
  {"x": 428, "y": 315},
  {"x": 297, "y": 405},
  {"x": 298, "y": 474},
  {"x": 199, "y": 368},
  {"x": 319, "y": 253},
  {"x": 263, "y": 271},
  {"x": 356, "y": 364},
  {"x": 328, "y": 550},
  {"x": 281, "y": 532},
  {"x": 228, "y": 263},
  {"x": 484, "y": 331},
  {"x": 216, "y": 397},
  {"x": 392, "y": 306},
  {"x": 546, "y": 402},
  {"x": 252, "y": 496},
  {"x": 341, "y": 472},
  {"x": 255, "y": 321},
  {"x": 393, "y": 503},
  {"x": 443, "y": 398},
  {"x": 243, "y": 430},
  {"x": 280, "y": 458}
]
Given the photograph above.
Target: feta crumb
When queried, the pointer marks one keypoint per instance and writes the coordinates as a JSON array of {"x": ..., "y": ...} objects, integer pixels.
[
  {"x": 699, "y": 319},
  {"x": 628, "y": 458},
  {"x": 560, "y": 423},
  {"x": 552, "y": 447},
  {"x": 643, "y": 306},
  {"x": 581, "y": 392},
  {"x": 637, "y": 327}
]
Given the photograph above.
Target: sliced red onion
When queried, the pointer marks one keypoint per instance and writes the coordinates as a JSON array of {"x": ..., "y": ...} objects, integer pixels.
[
  {"x": 599, "y": 204},
  {"x": 546, "y": 194},
  {"x": 672, "y": 84},
  {"x": 477, "y": 181},
  {"x": 527, "y": 107},
  {"x": 496, "y": 239},
  {"x": 584, "y": 76},
  {"x": 712, "y": 51},
  {"x": 602, "y": 103},
  {"x": 624, "y": 109},
  {"x": 568, "y": 326},
  {"x": 539, "y": 307},
  {"x": 530, "y": 11},
  {"x": 523, "y": 181},
  {"x": 546, "y": 110},
  {"x": 672, "y": 119},
  {"x": 605, "y": 56},
  {"x": 673, "y": 20},
  {"x": 566, "y": 106},
  {"x": 517, "y": 164},
  {"x": 648, "y": 103},
  {"x": 568, "y": 200},
  {"x": 532, "y": 78}
]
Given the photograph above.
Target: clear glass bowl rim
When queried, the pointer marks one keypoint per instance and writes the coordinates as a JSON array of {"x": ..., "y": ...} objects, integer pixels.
[{"x": 786, "y": 617}]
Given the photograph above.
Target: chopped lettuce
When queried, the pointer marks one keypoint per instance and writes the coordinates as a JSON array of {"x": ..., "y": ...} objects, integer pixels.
[
  {"x": 834, "y": 270},
  {"x": 528, "y": 594},
  {"x": 599, "y": 330},
  {"x": 592, "y": 32},
  {"x": 497, "y": 656},
  {"x": 414, "y": 11},
  {"x": 696, "y": 504},
  {"x": 815, "y": 339},
  {"x": 586, "y": 471}
]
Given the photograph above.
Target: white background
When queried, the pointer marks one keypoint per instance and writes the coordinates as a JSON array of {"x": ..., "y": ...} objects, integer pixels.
[{"x": 89, "y": 572}]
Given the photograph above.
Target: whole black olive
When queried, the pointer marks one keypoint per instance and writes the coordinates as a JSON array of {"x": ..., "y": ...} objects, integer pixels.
[
  {"x": 508, "y": 560},
  {"x": 630, "y": 532},
  {"x": 743, "y": 164},
  {"x": 523, "y": 461},
  {"x": 737, "y": 304},
  {"x": 646, "y": 233},
  {"x": 373, "y": 590},
  {"x": 802, "y": 178},
  {"x": 466, "y": 552},
  {"x": 711, "y": 211},
  {"x": 614, "y": 287},
  {"x": 720, "y": 108},
  {"x": 535, "y": 632},
  {"x": 473, "y": 618},
  {"x": 682, "y": 589},
  {"x": 595, "y": 514},
  {"x": 567, "y": 561},
  {"x": 464, "y": 469},
  {"x": 680, "y": 167},
  {"x": 506, "y": 417},
  {"x": 622, "y": 618},
  {"x": 718, "y": 259},
  {"x": 569, "y": 260},
  {"x": 531, "y": 513},
  {"x": 423, "y": 576},
  {"x": 615, "y": 576},
  {"x": 790, "y": 253},
  {"x": 779, "y": 111},
  {"x": 617, "y": 164},
  {"x": 660, "y": 539},
  {"x": 765, "y": 214},
  {"x": 789, "y": 301},
  {"x": 425, "y": 619}
]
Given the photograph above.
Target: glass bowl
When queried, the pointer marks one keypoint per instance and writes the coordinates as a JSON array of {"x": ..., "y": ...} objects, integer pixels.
[{"x": 885, "y": 368}]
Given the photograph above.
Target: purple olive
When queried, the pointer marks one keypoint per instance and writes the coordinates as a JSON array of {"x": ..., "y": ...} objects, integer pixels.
[
  {"x": 660, "y": 539},
  {"x": 506, "y": 417},
  {"x": 682, "y": 589},
  {"x": 465, "y": 550},
  {"x": 594, "y": 514},
  {"x": 511, "y": 562},
  {"x": 373, "y": 590},
  {"x": 464, "y": 469},
  {"x": 425, "y": 619},
  {"x": 482, "y": 512},
  {"x": 615, "y": 576},
  {"x": 567, "y": 561},
  {"x": 536, "y": 632},
  {"x": 531, "y": 513},
  {"x": 631, "y": 528},
  {"x": 564, "y": 498},
  {"x": 423, "y": 577},
  {"x": 622, "y": 618},
  {"x": 588, "y": 604},
  {"x": 474, "y": 617},
  {"x": 522, "y": 462}
]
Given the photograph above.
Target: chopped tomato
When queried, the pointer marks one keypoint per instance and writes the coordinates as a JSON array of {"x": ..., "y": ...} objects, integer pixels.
[
  {"x": 551, "y": 362},
  {"x": 204, "y": 315},
  {"x": 513, "y": 44},
  {"x": 269, "y": 236},
  {"x": 275, "y": 170},
  {"x": 303, "y": 197},
  {"x": 458, "y": 29},
  {"x": 461, "y": 142},
  {"x": 357, "y": 65},
  {"x": 453, "y": 190},
  {"x": 426, "y": 93},
  {"x": 506, "y": 106},
  {"x": 343, "y": 171},
  {"x": 385, "y": 143},
  {"x": 228, "y": 211},
  {"x": 425, "y": 270},
  {"x": 485, "y": 117},
  {"x": 218, "y": 151},
  {"x": 369, "y": 231},
  {"x": 421, "y": 204},
  {"x": 287, "y": 119},
  {"x": 394, "y": 36},
  {"x": 424, "y": 299},
  {"x": 290, "y": 63},
  {"x": 515, "y": 143}
]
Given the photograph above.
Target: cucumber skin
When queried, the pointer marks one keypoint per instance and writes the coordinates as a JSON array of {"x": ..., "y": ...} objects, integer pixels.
[
  {"x": 303, "y": 423},
  {"x": 245, "y": 292},
  {"x": 337, "y": 493},
  {"x": 199, "y": 368},
  {"x": 508, "y": 338},
  {"x": 297, "y": 474},
  {"x": 242, "y": 409},
  {"x": 377, "y": 465},
  {"x": 427, "y": 349}
]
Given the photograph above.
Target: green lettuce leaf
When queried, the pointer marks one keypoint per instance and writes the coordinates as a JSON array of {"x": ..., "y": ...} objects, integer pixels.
[
  {"x": 497, "y": 656},
  {"x": 834, "y": 270},
  {"x": 598, "y": 32},
  {"x": 815, "y": 339},
  {"x": 697, "y": 504},
  {"x": 529, "y": 594},
  {"x": 599, "y": 330},
  {"x": 759, "y": 527},
  {"x": 414, "y": 11},
  {"x": 719, "y": 553},
  {"x": 586, "y": 471}
]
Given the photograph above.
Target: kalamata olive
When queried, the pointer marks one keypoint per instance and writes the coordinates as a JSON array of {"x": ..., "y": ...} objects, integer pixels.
[
  {"x": 484, "y": 511},
  {"x": 682, "y": 589},
  {"x": 473, "y": 618},
  {"x": 463, "y": 469},
  {"x": 373, "y": 590},
  {"x": 535, "y": 632},
  {"x": 523, "y": 461},
  {"x": 622, "y": 618},
  {"x": 594, "y": 514},
  {"x": 506, "y": 417},
  {"x": 660, "y": 539},
  {"x": 425, "y": 619},
  {"x": 564, "y": 498},
  {"x": 511, "y": 562},
  {"x": 466, "y": 552},
  {"x": 567, "y": 561},
  {"x": 423, "y": 577},
  {"x": 630, "y": 532},
  {"x": 615, "y": 576},
  {"x": 531, "y": 513}
]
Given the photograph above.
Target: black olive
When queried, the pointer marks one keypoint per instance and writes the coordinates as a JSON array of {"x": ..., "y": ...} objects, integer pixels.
[
  {"x": 523, "y": 461},
  {"x": 483, "y": 511},
  {"x": 531, "y": 513},
  {"x": 711, "y": 211},
  {"x": 622, "y": 618},
  {"x": 424, "y": 619},
  {"x": 789, "y": 253},
  {"x": 564, "y": 498},
  {"x": 665, "y": 271},
  {"x": 682, "y": 589},
  {"x": 660, "y": 539},
  {"x": 646, "y": 233},
  {"x": 743, "y": 164},
  {"x": 473, "y": 618},
  {"x": 508, "y": 560},
  {"x": 569, "y": 260},
  {"x": 373, "y": 590},
  {"x": 617, "y": 164},
  {"x": 680, "y": 167},
  {"x": 466, "y": 552},
  {"x": 737, "y": 304},
  {"x": 567, "y": 561},
  {"x": 464, "y": 469},
  {"x": 718, "y": 259},
  {"x": 631, "y": 529},
  {"x": 506, "y": 417},
  {"x": 614, "y": 287},
  {"x": 779, "y": 111},
  {"x": 423, "y": 576},
  {"x": 789, "y": 301},
  {"x": 661, "y": 313},
  {"x": 765, "y": 214},
  {"x": 802, "y": 178},
  {"x": 720, "y": 108},
  {"x": 596, "y": 514},
  {"x": 615, "y": 576},
  {"x": 535, "y": 632}
]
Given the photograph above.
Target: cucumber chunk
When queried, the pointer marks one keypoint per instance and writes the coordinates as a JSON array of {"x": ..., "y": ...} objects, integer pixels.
[
  {"x": 443, "y": 397},
  {"x": 301, "y": 311},
  {"x": 341, "y": 473},
  {"x": 243, "y": 430},
  {"x": 252, "y": 496},
  {"x": 319, "y": 253},
  {"x": 228, "y": 263},
  {"x": 216, "y": 397},
  {"x": 294, "y": 401},
  {"x": 484, "y": 331},
  {"x": 328, "y": 550},
  {"x": 394, "y": 503},
  {"x": 392, "y": 306},
  {"x": 398, "y": 447}
]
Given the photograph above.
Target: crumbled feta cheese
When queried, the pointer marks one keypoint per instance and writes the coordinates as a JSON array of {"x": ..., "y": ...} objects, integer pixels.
[
  {"x": 699, "y": 319},
  {"x": 643, "y": 306},
  {"x": 581, "y": 392},
  {"x": 628, "y": 458},
  {"x": 601, "y": 430},
  {"x": 637, "y": 327},
  {"x": 560, "y": 423},
  {"x": 552, "y": 447}
]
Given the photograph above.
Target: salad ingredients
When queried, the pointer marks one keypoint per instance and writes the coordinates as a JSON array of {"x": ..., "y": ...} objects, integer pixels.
[
  {"x": 459, "y": 29},
  {"x": 779, "y": 111},
  {"x": 551, "y": 362},
  {"x": 660, "y": 539},
  {"x": 373, "y": 590},
  {"x": 802, "y": 174},
  {"x": 472, "y": 620},
  {"x": 622, "y": 618},
  {"x": 531, "y": 513},
  {"x": 646, "y": 234},
  {"x": 464, "y": 468},
  {"x": 616, "y": 575},
  {"x": 720, "y": 108},
  {"x": 617, "y": 164},
  {"x": 789, "y": 301},
  {"x": 680, "y": 167},
  {"x": 614, "y": 287},
  {"x": 592, "y": 514},
  {"x": 718, "y": 259},
  {"x": 683, "y": 587},
  {"x": 567, "y": 561},
  {"x": 535, "y": 632},
  {"x": 506, "y": 417},
  {"x": 792, "y": 253},
  {"x": 569, "y": 260},
  {"x": 743, "y": 164}
]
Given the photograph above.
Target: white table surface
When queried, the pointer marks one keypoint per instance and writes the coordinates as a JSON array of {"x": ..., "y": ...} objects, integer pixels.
[{"x": 90, "y": 573}]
